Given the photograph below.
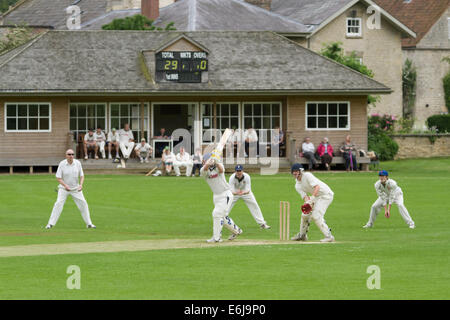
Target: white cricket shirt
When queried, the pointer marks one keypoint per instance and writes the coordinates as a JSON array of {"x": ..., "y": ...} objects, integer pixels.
[
  {"x": 309, "y": 181},
  {"x": 69, "y": 173},
  {"x": 243, "y": 185},
  {"x": 388, "y": 191},
  {"x": 125, "y": 136},
  {"x": 215, "y": 179}
]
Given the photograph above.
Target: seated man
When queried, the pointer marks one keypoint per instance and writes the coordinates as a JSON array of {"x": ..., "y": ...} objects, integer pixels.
[
  {"x": 168, "y": 158},
  {"x": 143, "y": 150},
  {"x": 308, "y": 150},
  {"x": 278, "y": 140},
  {"x": 348, "y": 150},
  {"x": 126, "y": 140},
  {"x": 113, "y": 141},
  {"x": 100, "y": 139},
  {"x": 162, "y": 135},
  {"x": 89, "y": 143},
  {"x": 197, "y": 161},
  {"x": 183, "y": 159},
  {"x": 251, "y": 139}
]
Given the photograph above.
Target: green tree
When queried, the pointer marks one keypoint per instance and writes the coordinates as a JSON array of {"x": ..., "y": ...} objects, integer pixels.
[
  {"x": 136, "y": 22},
  {"x": 4, "y": 4},
  {"x": 409, "y": 79},
  {"x": 446, "y": 83},
  {"x": 335, "y": 52}
]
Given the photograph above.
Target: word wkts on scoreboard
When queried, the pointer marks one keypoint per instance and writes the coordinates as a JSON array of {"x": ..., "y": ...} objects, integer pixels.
[{"x": 182, "y": 66}]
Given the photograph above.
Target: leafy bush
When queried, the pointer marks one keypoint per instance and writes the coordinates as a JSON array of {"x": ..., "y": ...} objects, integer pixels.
[
  {"x": 379, "y": 127},
  {"x": 440, "y": 122},
  {"x": 136, "y": 22}
]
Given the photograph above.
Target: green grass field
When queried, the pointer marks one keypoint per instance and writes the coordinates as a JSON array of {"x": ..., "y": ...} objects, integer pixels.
[{"x": 414, "y": 264}]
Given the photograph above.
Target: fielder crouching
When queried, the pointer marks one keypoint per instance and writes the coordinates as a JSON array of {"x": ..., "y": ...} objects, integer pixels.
[
  {"x": 214, "y": 173},
  {"x": 320, "y": 199}
]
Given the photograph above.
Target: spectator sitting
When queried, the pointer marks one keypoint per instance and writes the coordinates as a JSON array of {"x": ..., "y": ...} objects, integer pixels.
[
  {"x": 168, "y": 158},
  {"x": 89, "y": 143},
  {"x": 183, "y": 159},
  {"x": 236, "y": 140},
  {"x": 348, "y": 150},
  {"x": 325, "y": 152},
  {"x": 100, "y": 139},
  {"x": 162, "y": 134},
  {"x": 251, "y": 138},
  {"x": 143, "y": 150},
  {"x": 197, "y": 161},
  {"x": 277, "y": 139},
  {"x": 126, "y": 139},
  {"x": 308, "y": 150},
  {"x": 113, "y": 141}
]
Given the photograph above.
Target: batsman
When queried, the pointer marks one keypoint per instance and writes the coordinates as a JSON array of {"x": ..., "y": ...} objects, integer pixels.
[{"x": 315, "y": 204}]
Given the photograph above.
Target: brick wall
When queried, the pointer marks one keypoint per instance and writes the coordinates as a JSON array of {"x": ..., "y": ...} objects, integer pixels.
[{"x": 358, "y": 122}]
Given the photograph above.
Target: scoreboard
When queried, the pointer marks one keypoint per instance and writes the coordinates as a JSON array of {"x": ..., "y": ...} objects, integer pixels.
[{"x": 185, "y": 66}]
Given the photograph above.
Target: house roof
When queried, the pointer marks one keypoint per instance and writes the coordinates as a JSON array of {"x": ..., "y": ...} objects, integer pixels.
[
  {"x": 99, "y": 62},
  {"x": 418, "y": 15},
  {"x": 51, "y": 12},
  {"x": 188, "y": 15},
  {"x": 316, "y": 14}
]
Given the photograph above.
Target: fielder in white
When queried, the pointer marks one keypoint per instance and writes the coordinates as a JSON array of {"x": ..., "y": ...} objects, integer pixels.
[
  {"x": 214, "y": 173},
  {"x": 183, "y": 159},
  {"x": 388, "y": 193},
  {"x": 241, "y": 187},
  {"x": 126, "y": 141},
  {"x": 100, "y": 139},
  {"x": 320, "y": 199},
  {"x": 68, "y": 173}
]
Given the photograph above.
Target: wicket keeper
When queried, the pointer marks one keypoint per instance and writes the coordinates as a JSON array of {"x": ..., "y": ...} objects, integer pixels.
[{"x": 319, "y": 200}]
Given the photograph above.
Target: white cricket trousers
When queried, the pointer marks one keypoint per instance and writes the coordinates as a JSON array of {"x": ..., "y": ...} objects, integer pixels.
[
  {"x": 252, "y": 205},
  {"x": 80, "y": 201},
  {"x": 398, "y": 200},
  {"x": 187, "y": 164},
  {"x": 318, "y": 213},
  {"x": 127, "y": 149},
  {"x": 222, "y": 206}
]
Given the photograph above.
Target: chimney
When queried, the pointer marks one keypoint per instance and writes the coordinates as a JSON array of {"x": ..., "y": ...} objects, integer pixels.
[
  {"x": 265, "y": 4},
  {"x": 150, "y": 9}
]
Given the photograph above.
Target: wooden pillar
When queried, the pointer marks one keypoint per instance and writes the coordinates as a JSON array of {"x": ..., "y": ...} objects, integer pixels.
[
  {"x": 50, "y": 169},
  {"x": 11, "y": 171},
  {"x": 31, "y": 169},
  {"x": 142, "y": 122},
  {"x": 215, "y": 120}
]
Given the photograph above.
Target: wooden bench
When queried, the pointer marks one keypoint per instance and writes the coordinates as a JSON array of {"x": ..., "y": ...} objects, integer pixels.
[{"x": 339, "y": 159}]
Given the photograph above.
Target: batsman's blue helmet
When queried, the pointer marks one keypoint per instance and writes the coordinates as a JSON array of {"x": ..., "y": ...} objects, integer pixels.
[
  {"x": 296, "y": 167},
  {"x": 383, "y": 173}
]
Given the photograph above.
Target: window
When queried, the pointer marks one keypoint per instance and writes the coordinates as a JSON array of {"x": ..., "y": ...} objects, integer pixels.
[
  {"x": 85, "y": 116},
  {"x": 121, "y": 113},
  {"x": 328, "y": 115},
  {"x": 27, "y": 117},
  {"x": 354, "y": 27},
  {"x": 227, "y": 115},
  {"x": 262, "y": 117}
]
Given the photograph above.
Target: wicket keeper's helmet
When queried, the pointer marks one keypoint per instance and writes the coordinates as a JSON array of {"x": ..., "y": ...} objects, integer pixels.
[
  {"x": 383, "y": 173},
  {"x": 296, "y": 167}
]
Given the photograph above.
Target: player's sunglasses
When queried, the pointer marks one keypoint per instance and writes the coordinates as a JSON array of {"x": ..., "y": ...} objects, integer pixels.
[{"x": 70, "y": 154}]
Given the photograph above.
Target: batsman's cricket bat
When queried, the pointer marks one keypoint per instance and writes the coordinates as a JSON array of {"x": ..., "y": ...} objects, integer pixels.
[{"x": 218, "y": 150}]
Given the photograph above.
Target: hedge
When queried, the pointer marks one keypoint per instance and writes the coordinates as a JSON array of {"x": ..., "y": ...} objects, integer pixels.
[{"x": 440, "y": 121}]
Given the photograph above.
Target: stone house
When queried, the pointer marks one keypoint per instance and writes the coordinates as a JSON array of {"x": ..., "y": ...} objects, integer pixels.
[{"x": 431, "y": 21}]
